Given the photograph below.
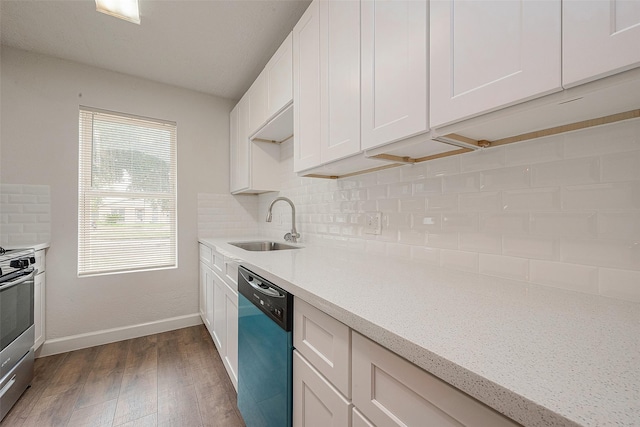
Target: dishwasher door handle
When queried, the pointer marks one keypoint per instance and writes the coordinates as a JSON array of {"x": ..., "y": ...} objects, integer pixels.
[{"x": 261, "y": 287}]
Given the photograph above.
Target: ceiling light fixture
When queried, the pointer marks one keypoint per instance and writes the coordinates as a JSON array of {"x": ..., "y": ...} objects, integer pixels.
[{"x": 123, "y": 9}]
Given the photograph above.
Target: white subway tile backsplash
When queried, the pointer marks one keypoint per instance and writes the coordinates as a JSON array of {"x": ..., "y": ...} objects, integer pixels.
[
  {"x": 504, "y": 266},
  {"x": 544, "y": 150},
  {"x": 622, "y": 284},
  {"x": 564, "y": 224},
  {"x": 400, "y": 189},
  {"x": 605, "y": 253},
  {"x": 535, "y": 199},
  {"x": 619, "y": 225},
  {"x": 490, "y": 158},
  {"x": 414, "y": 204},
  {"x": 505, "y": 223},
  {"x": 566, "y": 172},
  {"x": 619, "y": 137},
  {"x": 25, "y": 214},
  {"x": 412, "y": 237},
  {"x": 480, "y": 202},
  {"x": 414, "y": 172},
  {"x": 387, "y": 205},
  {"x": 442, "y": 202},
  {"x": 459, "y": 260},
  {"x": 463, "y": 183},
  {"x": 460, "y": 222},
  {"x": 396, "y": 220},
  {"x": 425, "y": 187},
  {"x": 431, "y": 223},
  {"x": 388, "y": 176},
  {"x": 23, "y": 198},
  {"x": 505, "y": 178},
  {"x": 481, "y": 242},
  {"x": 621, "y": 167},
  {"x": 613, "y": 196},
  {"x": 378, "y": 192},
  {"x": 443, "y": 240},
  {"x": 579, "y": 278},
  {"x": 443, "y": 166},
  {"x": 546, "y": 248}
]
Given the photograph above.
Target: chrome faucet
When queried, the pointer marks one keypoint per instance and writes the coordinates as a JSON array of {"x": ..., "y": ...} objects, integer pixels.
[{"x": 294, "y": 235}]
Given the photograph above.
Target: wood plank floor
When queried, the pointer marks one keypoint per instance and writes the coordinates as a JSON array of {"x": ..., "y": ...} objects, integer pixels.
[{"x": 171, "y": 379}]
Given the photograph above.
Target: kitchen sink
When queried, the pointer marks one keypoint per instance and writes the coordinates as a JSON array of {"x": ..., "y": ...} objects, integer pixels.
[{"x": 263, "y": 246}]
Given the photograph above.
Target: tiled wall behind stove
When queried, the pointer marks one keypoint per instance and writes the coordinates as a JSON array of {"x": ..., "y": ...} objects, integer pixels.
[
  {"x": 562, "y": 211},
  {"x": 25, "y": 214}
]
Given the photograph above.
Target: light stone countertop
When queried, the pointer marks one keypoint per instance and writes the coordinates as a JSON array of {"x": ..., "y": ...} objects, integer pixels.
[
  {"x": 542, "y": 356},
  {"x": 34, "y": 246}
]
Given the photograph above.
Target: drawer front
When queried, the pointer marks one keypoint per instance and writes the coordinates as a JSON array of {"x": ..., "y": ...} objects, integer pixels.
[
  {"x": 391, "y": 391},
  {"x": 231, "y": 273},
  {"x": 40, "y": 264},
  {"x": 218, "y": 262},
  {"x": 316, "y": 403},
  {"x": 206, "y": 255},
  {"x": 324, "y": 342}
]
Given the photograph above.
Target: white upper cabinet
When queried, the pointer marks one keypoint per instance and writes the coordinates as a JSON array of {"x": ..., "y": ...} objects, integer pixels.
[
  {"x": 258, "y": 96},
  {"x": 306, "y": 89},
  {"x": 486, "y": 55},
  {"x": 279, "y": 77},
  {"x": 239, "y": 146},
  {"x": 326, "y": 67},
  {"x": 394, "y": 70},
  {"x": 600, "y": 38},
  {"x": 339, "y": 79}
]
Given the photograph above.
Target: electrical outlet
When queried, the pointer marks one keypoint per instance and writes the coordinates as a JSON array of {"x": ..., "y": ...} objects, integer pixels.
[{"x": 373, "y": 222}]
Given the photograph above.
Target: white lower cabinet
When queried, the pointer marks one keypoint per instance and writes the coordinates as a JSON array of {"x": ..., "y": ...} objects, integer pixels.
[
  {"x": 39, "y": 300},
  {"x": 219, "y": 306},
  {"x": 316, "y": 403},
  {"x": 390, "y": 391}
]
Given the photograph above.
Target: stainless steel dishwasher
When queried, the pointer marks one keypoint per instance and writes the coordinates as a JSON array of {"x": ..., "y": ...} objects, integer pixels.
[{"x": 265, "y": 351}]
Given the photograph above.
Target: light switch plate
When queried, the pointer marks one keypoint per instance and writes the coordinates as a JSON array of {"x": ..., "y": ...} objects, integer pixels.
[{"x": 372, "y": 222}]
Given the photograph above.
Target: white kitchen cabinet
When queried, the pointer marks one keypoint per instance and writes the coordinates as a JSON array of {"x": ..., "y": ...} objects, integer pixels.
[
  {"x": 219, "y": 305},
  {"x": 391, "y": 391},
  {"x": 258, "y": 96},
  {"x": 487, "y": 55},
  {"x": 326, "y": 64},
  {"x": 359, "y": 420},
  {"x": 279, "y": 78},
  {"x": 316, "y": 403},
  {"x": 39, "y": 299},
  {"x": 395, "y": 70},
  {"x": 599, "y": 38},
  {"x": 251, "y": 163},
  {"x": 219, "y": 315},
  {"x": 325, "y": 342}
]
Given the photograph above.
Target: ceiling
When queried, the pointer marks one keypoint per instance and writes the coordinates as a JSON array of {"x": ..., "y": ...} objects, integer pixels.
[{"x": 212, "y": 46}]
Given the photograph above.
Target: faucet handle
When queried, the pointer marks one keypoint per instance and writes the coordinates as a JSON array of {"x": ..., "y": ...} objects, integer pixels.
[{"x": 288, "y": 237}]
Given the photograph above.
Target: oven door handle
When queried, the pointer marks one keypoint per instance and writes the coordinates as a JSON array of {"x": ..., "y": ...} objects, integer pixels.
[
  {"x": 10, "y": 384},
  {"x": 18, "y": 280}
]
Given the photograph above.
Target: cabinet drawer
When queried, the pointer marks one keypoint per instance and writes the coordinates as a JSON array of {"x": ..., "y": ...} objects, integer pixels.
[
  {"x": 231, "y": 274},
  {"x": 40, "y": 264},
  {"x": 324, "y": 342},
  {"x": 391, "y": 391},
  {"x": 206, "y": 255},
  {"x": 218, "y": 262},
  {"x": 316, "y": 403}
]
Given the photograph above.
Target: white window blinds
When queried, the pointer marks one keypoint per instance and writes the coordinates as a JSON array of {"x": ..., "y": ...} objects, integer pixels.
[{"x": 127, "y": 193}]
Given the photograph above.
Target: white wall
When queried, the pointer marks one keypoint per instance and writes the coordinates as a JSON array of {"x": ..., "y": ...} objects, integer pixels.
[
  {"x": 39, "y": 146},
  {"x": 561, "y": 211}
]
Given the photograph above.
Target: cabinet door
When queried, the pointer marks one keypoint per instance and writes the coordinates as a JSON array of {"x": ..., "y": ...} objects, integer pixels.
[
  {"x": 279, "y": 74},
  {"x": 231, "y": 321},
  {"x": 257, "y": 103},
  {"x": 209, "y": 286},
  {"x": 394, "y": 70},
  {"x": 240, "y": 167},
  {"x": 486, "y": 55},
  {"x": 599, "y": 38},
  {"x": 306, "y": 89},
  {"x": 39, "y": 309},
  {"x": 325, "y": 342},
  {"x": 392, "y": 392},
  {"x": 339, "y": 79},
  {"x": 203, "y": 293},
  {"x": 315, "y": 402},
  {"x": 359, "y": 420},
  {"x": 233, "y": 149},
  {"x": 219, "y": 315}
]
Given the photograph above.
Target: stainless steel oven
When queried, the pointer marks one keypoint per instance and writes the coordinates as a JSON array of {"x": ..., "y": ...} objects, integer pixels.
[{"x": 17, "y": 331}]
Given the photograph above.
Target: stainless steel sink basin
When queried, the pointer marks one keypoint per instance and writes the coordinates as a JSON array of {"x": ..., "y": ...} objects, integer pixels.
[{"x": 263, "y": 246}]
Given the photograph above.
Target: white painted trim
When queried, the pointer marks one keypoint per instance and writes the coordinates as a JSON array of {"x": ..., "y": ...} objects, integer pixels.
[{"x": 106, "y": 336}]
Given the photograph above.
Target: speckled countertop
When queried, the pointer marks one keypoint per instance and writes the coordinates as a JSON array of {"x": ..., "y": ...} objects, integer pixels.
[{"x": 542, "y": 356}]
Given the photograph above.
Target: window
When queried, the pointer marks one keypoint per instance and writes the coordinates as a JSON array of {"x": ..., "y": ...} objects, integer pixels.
[{"x": 127, "y": 193}]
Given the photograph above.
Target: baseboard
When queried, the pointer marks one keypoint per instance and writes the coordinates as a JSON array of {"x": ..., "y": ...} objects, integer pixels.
[{"x": 106, "y": 336}]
